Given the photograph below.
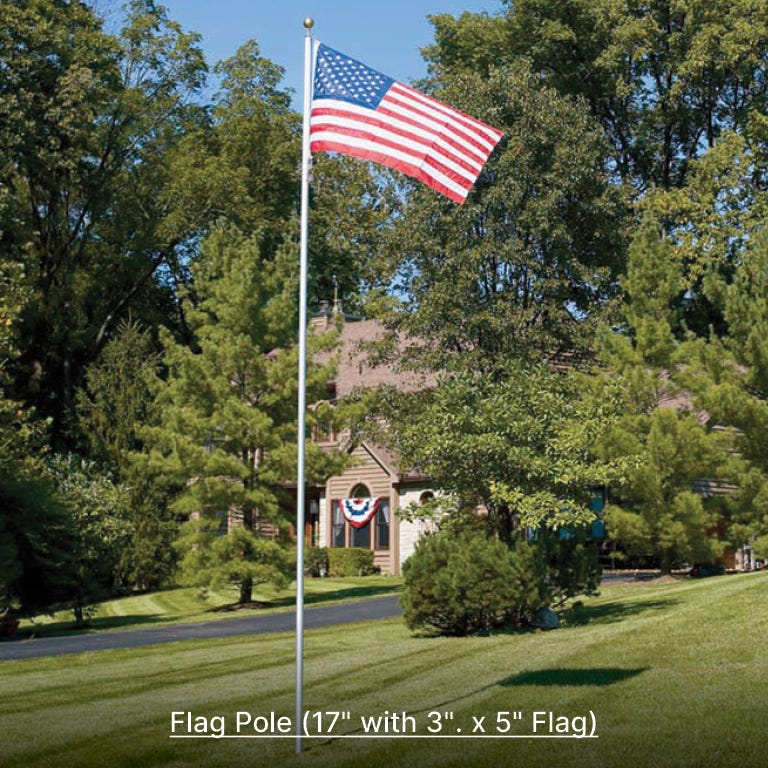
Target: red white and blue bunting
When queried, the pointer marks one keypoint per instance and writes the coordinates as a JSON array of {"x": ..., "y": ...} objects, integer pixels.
[{"x": 358, "y": 512}]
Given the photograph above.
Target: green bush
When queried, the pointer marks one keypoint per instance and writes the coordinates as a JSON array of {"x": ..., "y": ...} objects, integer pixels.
[
  {"x": 316, "y": 562},
  {"x": 350, "y": 561},
  {"x": 460, "y": 583}
]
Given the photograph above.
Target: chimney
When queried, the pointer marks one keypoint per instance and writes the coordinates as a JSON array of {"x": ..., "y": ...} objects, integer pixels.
[{"x": 321, "y": 320}]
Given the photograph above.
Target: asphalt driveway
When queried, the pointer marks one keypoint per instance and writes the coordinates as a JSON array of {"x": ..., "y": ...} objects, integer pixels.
[{"x": 315, "y": 617}]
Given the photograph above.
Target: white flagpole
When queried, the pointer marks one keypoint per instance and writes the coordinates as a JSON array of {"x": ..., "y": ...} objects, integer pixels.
[{"x": 300, "y": 501}]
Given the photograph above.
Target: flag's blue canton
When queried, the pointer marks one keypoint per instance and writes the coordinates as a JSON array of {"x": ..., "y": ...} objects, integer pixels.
[{"x": 339, "y": 77}]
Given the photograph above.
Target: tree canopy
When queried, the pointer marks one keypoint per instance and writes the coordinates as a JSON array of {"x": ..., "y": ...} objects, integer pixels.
[{"x": 595, "y": 312}]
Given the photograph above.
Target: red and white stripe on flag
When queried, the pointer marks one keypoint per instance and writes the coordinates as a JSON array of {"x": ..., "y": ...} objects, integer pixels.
[
  {"x": 358, "y": 512},
  {"x": 360, "y": 112}
]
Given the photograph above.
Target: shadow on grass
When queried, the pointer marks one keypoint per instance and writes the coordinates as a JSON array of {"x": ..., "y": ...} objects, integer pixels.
[
  {"x": 350, "y": 593},
  {"x": 130, "y": 621},
  {"x": 609, "y": 613},
  {"x": 59, "y": 628},
  {"x": 598, "y": 676}
]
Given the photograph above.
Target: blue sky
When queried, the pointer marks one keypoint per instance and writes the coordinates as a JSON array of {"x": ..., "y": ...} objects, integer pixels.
[{"x": 385, "y": 35}]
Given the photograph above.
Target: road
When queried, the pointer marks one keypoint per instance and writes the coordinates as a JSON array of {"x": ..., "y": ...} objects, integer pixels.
[{"x": 316, "y": 617}]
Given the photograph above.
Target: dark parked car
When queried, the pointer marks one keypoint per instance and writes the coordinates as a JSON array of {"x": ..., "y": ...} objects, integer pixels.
[{"x": 700, "y": 570}]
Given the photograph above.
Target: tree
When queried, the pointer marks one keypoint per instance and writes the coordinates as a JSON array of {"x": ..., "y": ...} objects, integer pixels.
[
  {"x": 665, "y": 442},
  {"x": 227, "y": 411},
  {"x": 521, "y": 447},
  {"x": 117, "y": 396},
  {"x": 351, "y": 211},
  {"x": 100, "y": 516},
  {"x": 522, "y": 450},
  {"x": 657, "y": 515},
  {"x": 240, "y": 558},
  {"x": 728, "y": 375},
  {"x": 86, "y": 123},
  {"x": 525, "y": 267},
  {"x": 242, "y": 163},
  {"x": 36, "y": 534},
  {"x": 36, "y": 543},
  {"x": 679, "y": 90},
  {"x": 665, "y": 79}
]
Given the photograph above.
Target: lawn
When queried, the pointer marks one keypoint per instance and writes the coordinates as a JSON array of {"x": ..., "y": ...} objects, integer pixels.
[
  {"x": 185, "y": 605},
  {"x": 675, "y": 675}
]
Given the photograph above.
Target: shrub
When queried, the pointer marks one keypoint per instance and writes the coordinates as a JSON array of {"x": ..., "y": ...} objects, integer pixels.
[
  {"x": 460, "y": 583},
  {"x": 350, "y": 561},
  {"x": 570, "y": 563},
  {"x": 316, "y": 562}
]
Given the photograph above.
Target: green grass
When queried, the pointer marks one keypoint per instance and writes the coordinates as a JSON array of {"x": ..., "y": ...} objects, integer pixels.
[
  {"x": 183, "y": 605},
  {"x": 676, "y": 675}
]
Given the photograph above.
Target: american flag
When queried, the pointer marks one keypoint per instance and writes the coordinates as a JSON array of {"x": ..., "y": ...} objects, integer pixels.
[{"x": 360, "y": 112}]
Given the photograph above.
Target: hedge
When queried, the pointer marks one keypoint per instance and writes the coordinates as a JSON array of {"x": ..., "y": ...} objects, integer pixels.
[{"x": 350, "y": 561}]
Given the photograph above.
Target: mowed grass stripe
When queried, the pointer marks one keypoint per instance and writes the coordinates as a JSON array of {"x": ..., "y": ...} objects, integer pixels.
[
  {"x": 671, "y": 681},
  {"x": 185, "y": 605}
]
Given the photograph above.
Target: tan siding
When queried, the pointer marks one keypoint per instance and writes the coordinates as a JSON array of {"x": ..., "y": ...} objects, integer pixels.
[
  {"x": 381, "y": 559},
  {"x": 375, "y": 476},
  {"x": 367, "y": 472}
]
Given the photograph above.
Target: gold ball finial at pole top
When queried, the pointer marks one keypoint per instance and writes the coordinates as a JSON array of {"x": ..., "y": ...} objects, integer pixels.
[{"x": 309, "y": 23}]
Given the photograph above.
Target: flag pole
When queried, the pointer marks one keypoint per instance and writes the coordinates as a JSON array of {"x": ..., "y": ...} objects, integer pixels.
[{"x": 300, "y": 501}]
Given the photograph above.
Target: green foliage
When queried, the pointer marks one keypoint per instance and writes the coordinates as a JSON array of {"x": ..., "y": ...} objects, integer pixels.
[
  {"x": 679, "y": 92},
  {"x": 459, "y": 584},
  {"x": 569, "y": 561},
  {"x": 227, "y": 422},
  {"x": 316, "y": 562},
  {"x": 664, "y": 442},
  {"x": 118, "y": 394},
  {"x": 645, "y": 342},
  {"x": 149, "y": 561},
  {"x": 100, "y": 517},
  {"x": 115, "y": 403},
  {"x": 86, "y": 122},
  {"x": 227, "y": 411},
  {"x": 539, "y": 241},
  {"x": 666, "y": 80},
  {"x": 729, "y": 378},
  {"x": 472, "y": 43},
  {"x": 239, "y": 557},
  {"x": 37, "y": 545},
  {"x": 657, "y": 513},
  {"x": 523, "y": 447},
  {"x": 242, "y": 165},
  {"x": 350, "y": 561},
  {"x": 351, "y": 211},
  {"x": 36, "y": 533}
]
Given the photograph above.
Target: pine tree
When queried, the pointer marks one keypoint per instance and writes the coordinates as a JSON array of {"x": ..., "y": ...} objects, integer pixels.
[
  {"x": 661, "y": 436},
  {"x": 228, "y": 420}
]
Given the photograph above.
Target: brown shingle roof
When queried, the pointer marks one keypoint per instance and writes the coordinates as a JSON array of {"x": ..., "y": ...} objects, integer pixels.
[{"x": 357, "y": 369}]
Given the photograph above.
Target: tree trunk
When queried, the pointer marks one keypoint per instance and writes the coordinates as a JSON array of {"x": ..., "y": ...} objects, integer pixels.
[
  {"x": 77, "y": 609},
  {"x": 246, "y": 591}
]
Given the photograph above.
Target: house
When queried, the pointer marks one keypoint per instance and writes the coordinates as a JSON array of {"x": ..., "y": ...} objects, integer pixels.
[
  {"x": 375, "y": 478},
  {"x": 378, "y": 481}
]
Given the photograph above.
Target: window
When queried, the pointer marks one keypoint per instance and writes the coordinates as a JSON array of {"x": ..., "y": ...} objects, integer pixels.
[
  {"x": 337, "y": 538},
  {"x": 360, "y": 537},
  {"x": 374, "y": 534},
  {"x": 382, "y": 525}
]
